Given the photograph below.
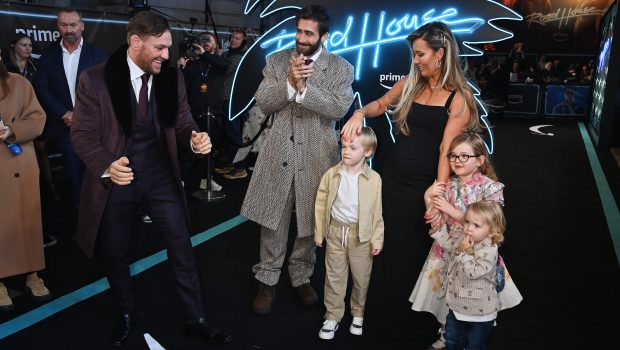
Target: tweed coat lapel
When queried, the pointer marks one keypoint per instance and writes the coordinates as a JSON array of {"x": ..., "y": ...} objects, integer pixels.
[{"x": 320, "y": 68}]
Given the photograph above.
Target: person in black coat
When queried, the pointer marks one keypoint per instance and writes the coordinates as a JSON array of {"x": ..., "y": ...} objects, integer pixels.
[{"x": 207, "y": 71}]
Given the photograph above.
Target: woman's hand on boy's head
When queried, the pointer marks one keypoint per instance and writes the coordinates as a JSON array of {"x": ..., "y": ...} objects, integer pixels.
[
  {"x": 353, "y": 126},
  {"x": 375, "y": 251}
]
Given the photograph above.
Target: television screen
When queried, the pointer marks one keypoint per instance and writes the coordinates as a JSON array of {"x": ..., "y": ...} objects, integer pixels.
[
  {"x": 567, "y": 100},
  {"x": 602, "y": 64}
]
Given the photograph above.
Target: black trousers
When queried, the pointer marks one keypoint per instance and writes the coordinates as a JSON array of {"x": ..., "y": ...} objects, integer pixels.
[{"x": 157, "y": 193}]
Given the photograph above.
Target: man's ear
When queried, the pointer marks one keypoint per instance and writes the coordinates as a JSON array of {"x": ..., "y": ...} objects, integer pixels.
[
  {"x": 135, "y": 42},
  {"x": 324, "y": 37}
]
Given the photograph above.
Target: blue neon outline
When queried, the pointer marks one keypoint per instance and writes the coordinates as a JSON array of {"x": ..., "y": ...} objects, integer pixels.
[
  {"x": 344, "y": 34},
  {"x": 426, "y": 17},
  {"x": 490, "y": 23},
  {"x": 360, "y": 53},
  {"x": 375, "y": 62},
  {"x": 257, "y": 42}
]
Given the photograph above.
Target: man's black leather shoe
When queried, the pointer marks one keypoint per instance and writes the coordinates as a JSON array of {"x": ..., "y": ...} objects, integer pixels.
[
  {"x": 126, "y": 326},
  {"x": 212, "y": 335}
]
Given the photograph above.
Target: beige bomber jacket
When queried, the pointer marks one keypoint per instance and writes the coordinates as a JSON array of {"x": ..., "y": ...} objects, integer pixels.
[{"x": 370, "y": 209}]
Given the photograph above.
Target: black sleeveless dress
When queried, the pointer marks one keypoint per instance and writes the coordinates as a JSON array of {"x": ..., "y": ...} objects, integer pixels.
[{"x": 408, "y": 170}]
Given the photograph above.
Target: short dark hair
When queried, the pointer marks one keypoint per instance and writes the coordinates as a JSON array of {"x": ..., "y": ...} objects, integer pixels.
[
  {"x": 239, "y": 31},
  {"x": 147, "y": 23},
  {"x": 316, "y": 13},
  {"x": 211, "y": 34},
  {"x": 68, "y": 10}
]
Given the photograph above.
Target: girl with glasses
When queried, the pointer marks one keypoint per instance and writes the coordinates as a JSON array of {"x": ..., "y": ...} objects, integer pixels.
[{"x": 473, "y": 179}]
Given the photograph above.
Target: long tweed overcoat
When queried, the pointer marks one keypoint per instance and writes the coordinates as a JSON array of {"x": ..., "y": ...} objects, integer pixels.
[{"x": 302, "y": 143}]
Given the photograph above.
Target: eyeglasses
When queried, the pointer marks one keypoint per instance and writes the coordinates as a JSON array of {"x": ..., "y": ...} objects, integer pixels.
[{"x": 463, "y": 158}]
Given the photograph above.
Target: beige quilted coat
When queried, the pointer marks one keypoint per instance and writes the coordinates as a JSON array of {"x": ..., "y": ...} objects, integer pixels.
[{"x": 302, "y": 144}]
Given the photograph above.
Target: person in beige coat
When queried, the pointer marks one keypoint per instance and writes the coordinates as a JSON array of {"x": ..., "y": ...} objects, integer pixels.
[
  {"x": 349, "y": 216},
  {"x": 21, "y": 231},
  {"x": 307, "y": 98}
]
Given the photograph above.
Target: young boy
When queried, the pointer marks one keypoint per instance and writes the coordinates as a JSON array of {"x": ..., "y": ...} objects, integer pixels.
[{"x": 348, "y": 215}]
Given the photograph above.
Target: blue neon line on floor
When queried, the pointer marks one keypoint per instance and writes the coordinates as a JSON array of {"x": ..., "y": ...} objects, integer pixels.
[
  {"x": 610, "y": 208},
  {"x": 44, "y": 311}
]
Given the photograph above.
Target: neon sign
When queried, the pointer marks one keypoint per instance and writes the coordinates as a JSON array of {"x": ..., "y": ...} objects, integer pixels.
[{"x": 362, "y": 38}]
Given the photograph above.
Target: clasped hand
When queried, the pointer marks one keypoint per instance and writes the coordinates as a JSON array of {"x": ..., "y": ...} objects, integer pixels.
[
  {"x": 201, "y": 142},
  {"x": 5, "y": 132},
  {"x": 434, "y": 197},
  {"x": 298, "y": 72},
  {"x": 120, "y": 172}
]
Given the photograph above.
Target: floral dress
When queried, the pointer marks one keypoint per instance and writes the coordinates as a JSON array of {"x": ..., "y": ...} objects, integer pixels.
[{"x": 427, "y": 291}]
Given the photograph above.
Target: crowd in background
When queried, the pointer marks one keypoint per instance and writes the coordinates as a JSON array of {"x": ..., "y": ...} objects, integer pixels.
[{"x": 494, "y": 72}]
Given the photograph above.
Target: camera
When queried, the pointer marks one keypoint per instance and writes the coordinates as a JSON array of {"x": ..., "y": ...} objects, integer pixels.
[{"x": 186, "y": 47}]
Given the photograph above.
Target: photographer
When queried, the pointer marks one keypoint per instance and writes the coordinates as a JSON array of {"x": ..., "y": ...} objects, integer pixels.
[{"x": 207, "y": 68}]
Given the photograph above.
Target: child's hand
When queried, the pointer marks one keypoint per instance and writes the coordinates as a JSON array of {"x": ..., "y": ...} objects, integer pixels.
[
  {"x": 466, "y": 243},
  {"x": 438, "y": 188},
  {"x": 433, "y": 217},
  {"x": 441, "y": 204},
  {"x": 375, "y": 251}
]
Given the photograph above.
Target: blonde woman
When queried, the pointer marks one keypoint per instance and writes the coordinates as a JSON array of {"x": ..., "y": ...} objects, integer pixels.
[{"x": 431, "y": 105}]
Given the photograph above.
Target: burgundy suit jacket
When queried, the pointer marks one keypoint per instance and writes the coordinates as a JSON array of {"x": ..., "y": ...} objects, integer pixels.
[{"x": 102, "y": 120}]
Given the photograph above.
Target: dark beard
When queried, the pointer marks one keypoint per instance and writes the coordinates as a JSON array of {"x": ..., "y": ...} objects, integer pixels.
[{"x": 309, "y": 51}]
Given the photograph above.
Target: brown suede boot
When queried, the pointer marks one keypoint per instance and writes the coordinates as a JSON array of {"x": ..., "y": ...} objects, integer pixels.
[
  {"x": 307, "y": 295},
  {"x": 265, "y": 297}
]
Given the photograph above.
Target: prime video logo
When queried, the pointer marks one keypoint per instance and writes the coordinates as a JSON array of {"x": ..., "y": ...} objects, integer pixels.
[{"x": 39, "y": 34}]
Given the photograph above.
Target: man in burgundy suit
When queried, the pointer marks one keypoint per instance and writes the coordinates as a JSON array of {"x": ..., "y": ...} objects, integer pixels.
[{"x": 129, "y": 114}]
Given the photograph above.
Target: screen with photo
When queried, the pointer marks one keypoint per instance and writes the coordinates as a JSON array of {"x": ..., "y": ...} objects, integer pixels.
[
  {"x": 602, "y": 65},
  {"x": 567, "y": 100}
]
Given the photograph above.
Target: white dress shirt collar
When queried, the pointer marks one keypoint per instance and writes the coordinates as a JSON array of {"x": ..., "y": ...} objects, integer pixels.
[
  {"x": 79, "y": 48},
  {"x": 135, "y": 75},
  {"x": 316, "y": 54}
]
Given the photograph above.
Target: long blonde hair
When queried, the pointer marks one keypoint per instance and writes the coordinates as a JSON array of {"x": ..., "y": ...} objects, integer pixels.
[{"x": 437, "y": 35}]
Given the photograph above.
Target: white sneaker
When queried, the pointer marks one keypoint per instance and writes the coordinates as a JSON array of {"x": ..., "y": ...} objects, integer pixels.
[
  {"x": 356, "y": 326},
  {"x": 328, "y": 330},
  {"x": 215, "y": 186},
  {"x": 440, "y": 343}
]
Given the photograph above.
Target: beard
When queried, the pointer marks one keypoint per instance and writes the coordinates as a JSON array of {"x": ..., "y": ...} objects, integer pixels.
[
  {"x": 146, "y": 64},
  {"x": 70, "y": 38},
  {"x": 307, "y": 51}
]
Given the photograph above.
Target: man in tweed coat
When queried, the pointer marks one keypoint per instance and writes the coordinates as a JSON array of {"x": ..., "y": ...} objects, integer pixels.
[{"x": 307, "y": 98}]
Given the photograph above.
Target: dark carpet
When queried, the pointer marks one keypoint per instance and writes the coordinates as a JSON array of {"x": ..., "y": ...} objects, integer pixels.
[{"x": 558, "y": 249}]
